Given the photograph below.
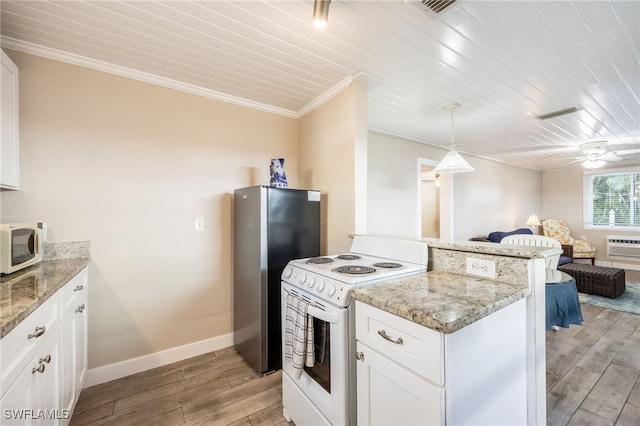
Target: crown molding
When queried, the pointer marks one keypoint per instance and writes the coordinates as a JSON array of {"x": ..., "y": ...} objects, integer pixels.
[
  {"x": 326, "y": 96},
  {"x": 70, "y": 58}
]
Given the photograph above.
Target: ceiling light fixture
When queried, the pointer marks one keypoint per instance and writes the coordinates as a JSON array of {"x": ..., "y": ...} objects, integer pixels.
[
  {"x": 321, "y": 13},
  {"x": 452, "y": 162},
  {"x": 593, "y": 164}
]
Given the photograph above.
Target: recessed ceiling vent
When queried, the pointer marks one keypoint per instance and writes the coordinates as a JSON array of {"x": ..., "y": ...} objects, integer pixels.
[{"x": 432, "y": 7}]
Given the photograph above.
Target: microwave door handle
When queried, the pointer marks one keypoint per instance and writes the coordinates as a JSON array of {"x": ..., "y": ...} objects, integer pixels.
[{"x": 329, "y": 317}]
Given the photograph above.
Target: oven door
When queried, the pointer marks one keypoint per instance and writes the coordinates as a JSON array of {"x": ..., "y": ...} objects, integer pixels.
[{"x": 325, "y": 385}]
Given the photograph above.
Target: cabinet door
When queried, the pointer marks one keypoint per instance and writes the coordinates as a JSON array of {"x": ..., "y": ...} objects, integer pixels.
[
  {"x": 68, "y": 364},
  {"x": 81, "y": 324},
  {"x": 9, "y": 142},
  {"x": 392, "y": 395},
  {"x": 34, "y": 398},
  {"x": 46, "y": 385}
]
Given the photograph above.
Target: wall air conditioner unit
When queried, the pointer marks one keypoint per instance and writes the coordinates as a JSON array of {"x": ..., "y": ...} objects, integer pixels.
[{"x": 623, "y": 247}]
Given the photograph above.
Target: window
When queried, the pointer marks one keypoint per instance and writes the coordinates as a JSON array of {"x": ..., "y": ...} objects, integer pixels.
[{"x": 612, "y": 199}]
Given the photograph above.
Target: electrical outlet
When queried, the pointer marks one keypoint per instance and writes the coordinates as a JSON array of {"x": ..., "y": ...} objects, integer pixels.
[
  {"x": 481, "y": 267},
  {"x": 198, "y": 224}
]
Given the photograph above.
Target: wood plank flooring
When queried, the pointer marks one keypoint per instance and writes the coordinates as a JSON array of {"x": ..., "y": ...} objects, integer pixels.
[
  {"x": 593, "y": 375},
  {"x": 593, "y": 370},
  {"x": 218, "y": 388}
]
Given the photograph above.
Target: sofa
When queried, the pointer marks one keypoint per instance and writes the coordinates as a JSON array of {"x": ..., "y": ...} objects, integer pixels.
[{"x": 497, "y": 236}]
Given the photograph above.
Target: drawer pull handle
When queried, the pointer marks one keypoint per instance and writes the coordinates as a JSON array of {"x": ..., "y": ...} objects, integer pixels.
[
  {"x": 78, "y": 288},
  {"x": 38, "y": 369},
  {"x": 360, "y": 356},
  {"x": 397, "y": 340},
  {"x": 39, "y": 331},
  {"x": 46, "y": 359},
  {"x": 80, "y": 308}
]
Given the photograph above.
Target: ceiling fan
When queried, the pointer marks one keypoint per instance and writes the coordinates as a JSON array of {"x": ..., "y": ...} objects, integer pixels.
[{"x": 596, "y": 154}]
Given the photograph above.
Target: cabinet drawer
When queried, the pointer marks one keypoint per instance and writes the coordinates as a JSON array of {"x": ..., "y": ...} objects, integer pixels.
[
  {"x": 74, "y": 290},
  {"x": 413, "y": 346},
  {"x": 21, "y": 344}
]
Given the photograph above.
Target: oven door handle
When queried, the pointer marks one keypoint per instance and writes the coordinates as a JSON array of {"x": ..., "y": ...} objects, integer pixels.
[{"x": 329, "y": 317}]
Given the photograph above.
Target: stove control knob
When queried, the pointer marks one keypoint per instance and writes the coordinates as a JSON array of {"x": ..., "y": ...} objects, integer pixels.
[
  {"x": 321, "y": 286},
  {"x": 332, "y": 290},
  {"x": 302, "y": 278},
  {"x": 312, "y": 282},
  {"x": 287, "y": 272}
]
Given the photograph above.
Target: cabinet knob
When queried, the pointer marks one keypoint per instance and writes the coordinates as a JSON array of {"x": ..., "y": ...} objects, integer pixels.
[
  {"x": 78, "y": 288},
  {"x": 46, "y": 359},
  {"x": 38, "y": 369},
  {"x": 39, "y": 331},
  {"x": 360, "y": 356},
  {"x": 80, "y": 308}
]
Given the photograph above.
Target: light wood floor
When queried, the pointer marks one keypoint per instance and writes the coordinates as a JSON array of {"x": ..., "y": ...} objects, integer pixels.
[
  {"x": 593, "y": 370},
  {"x": 218, "y": 388},
  {"x": 592, "y": 379}
]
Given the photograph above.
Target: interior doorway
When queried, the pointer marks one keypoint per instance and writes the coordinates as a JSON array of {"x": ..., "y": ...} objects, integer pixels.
[
  {"x": 429, "y": 202},
  {"x": 435, "y": 202}
]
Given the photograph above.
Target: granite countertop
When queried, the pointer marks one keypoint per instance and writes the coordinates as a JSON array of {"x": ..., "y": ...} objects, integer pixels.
[
  {"x": 22, "y": 292},
  {"x": 440, "y": 300}
]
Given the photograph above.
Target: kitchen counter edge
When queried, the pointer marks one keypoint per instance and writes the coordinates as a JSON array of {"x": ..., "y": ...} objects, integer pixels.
[
  {"x": 441, "y": 301},
  {"x": 40, "y": 281}
]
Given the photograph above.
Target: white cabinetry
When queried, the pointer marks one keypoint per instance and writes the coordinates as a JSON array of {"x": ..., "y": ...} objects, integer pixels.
[
  {"x": 411, "y": 375},
  {"x": 74, "y": 340},
  {"x": 9, "y": 142},
  {"x": 44, "y": 359}
]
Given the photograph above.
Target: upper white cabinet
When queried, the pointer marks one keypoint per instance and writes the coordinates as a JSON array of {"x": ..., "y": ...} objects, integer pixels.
[{"x": 10, "y": 142}]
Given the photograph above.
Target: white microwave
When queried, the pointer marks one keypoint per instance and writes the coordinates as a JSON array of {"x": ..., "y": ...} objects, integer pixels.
[{"x": 20, "y": 246}]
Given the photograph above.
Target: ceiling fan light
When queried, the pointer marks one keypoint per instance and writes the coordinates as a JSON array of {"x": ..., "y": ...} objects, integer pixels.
[
  {"x": 453, "y": 163},
  {"x": 593, "y": 164},
  {"x": 320, "y": 13}
]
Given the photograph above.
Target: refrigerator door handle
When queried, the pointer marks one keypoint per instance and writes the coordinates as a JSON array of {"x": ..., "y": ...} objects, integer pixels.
[{"x": 329, "y": 317}]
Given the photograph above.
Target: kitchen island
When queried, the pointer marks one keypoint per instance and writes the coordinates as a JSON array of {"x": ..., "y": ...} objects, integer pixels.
[{"x": 460, "y": 344}]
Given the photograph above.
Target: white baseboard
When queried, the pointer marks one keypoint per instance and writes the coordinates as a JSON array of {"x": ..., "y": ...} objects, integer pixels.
[
  {"x": 106, "y": 373},
  {"x": 609, "y": 264}
]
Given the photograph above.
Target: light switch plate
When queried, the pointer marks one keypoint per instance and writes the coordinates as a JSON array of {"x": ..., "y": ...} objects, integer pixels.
[
  {"x": 198, "y": 224},
  {"x": 481, "y": 267}
]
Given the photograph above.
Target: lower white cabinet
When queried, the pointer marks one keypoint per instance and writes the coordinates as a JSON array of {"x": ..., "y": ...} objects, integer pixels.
[
  {"x": 408, "y": 374},
  {"x": 389, "y": 394},
  {"x": 46, "y": 387}
]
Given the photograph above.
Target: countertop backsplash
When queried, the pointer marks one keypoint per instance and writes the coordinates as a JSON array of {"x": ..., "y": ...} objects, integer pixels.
[{"x": 59, "y": 250}]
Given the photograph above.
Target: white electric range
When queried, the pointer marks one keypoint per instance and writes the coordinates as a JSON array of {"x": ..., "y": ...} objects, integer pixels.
[{"x": 325, "y": 393}]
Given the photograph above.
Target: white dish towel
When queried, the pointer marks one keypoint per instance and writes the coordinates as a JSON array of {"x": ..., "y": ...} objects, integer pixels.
[{"x": 298, "y": 336}]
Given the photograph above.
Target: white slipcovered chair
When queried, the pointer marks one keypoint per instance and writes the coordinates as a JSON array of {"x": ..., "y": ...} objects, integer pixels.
[{"x": 537, "y": 241}]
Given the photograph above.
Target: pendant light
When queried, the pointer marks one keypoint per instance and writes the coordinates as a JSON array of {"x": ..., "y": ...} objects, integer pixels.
[
  {"x": 321, "y": 13},
  {"x": 453, "y": 161}
]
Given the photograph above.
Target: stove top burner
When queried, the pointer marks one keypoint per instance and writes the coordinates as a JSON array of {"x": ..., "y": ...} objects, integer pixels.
[
  {"x": 388, "y": 265},
  {"x": 348, "y": 257},
  {"x": 320, "y": 260},
  {"x": 354, "y": 270}
]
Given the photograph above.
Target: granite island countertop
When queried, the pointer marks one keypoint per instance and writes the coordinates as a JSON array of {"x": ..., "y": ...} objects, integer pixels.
[
  {"x": 442, "y": 301},
  {"x": 22, "y": 292}
]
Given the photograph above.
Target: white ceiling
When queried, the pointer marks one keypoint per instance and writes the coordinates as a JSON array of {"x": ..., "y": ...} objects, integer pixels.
[{"x": 504, "y": 61}]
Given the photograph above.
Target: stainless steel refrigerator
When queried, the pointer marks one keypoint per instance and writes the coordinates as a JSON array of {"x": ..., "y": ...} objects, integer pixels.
[{"x": 271, "y": 227}]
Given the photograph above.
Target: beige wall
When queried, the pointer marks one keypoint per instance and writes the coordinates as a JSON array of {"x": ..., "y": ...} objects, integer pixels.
[
  {"x": 333, "y": 160},
  {"x": 563, "y": 199},
  {"x": 127, "y": 166},
  {"x": 494, "y": 197}
]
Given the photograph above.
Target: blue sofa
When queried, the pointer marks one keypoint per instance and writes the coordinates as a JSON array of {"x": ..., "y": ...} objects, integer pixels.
[{"x": 497, "y": 236}]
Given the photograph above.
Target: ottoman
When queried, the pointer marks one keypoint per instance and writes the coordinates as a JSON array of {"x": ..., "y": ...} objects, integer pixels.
[{"x": 598, "y": 280}]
